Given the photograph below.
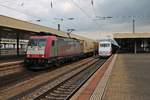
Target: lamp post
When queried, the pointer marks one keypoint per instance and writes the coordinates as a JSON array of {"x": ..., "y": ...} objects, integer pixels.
[
  {"x": 61, "y": 20},
  {"x": 58, "y": 27},
  {"x": 133, "y": 31},
  {"x": 133, "y": 25}
]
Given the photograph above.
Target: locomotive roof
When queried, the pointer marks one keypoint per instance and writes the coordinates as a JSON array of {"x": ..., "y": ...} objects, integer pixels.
[
  {"x": 40, "y": 36},
  {"x": 113, "y": 41},
  {"x": 46, "y": 36}
]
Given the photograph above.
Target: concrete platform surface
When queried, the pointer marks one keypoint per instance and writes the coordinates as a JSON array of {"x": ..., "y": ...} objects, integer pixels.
[
  {"x": 130, "y": 79},
  {"x": 8, "y": 60},
  {"x": 94, "y": 88},
  {"x": 5, "y": 59}
]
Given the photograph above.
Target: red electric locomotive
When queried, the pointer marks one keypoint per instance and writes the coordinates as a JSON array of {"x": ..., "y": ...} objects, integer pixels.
[{"x": 43, "y": 51}]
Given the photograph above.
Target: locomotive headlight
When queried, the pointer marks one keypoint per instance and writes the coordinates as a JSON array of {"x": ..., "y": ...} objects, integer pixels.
[
  {"x": 28, "y": 55},
  {"x": 42, "y": 55}
]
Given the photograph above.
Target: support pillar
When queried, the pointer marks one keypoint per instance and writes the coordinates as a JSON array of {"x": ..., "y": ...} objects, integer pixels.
[
  {"x": 17, "y": 37},
  {"x": 5, "y": 45},
  {"x": 135, "y": 47},
  {"x": 0, "y": 41},
  {"x": 13, "y": 46}
]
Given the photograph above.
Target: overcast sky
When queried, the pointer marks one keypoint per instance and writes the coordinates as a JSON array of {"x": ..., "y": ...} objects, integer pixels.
[{"x": 88, "y": 15}]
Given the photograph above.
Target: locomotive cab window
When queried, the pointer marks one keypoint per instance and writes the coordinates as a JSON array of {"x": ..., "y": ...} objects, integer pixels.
[
  {"x": 41, "y": 42},
  {"x": 37, "y": 42},
  {"x": 104, "y": 45},
  {"x": 32, "y": 42}
]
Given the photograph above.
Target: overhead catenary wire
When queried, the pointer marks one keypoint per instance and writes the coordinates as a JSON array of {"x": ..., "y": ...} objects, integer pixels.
[
  {"x": 92, "y": 4},
  {"x": 16, "y": 10},
  {"x": 51, "y": 6},
  {"x": 17, "y": 3},
  {"x": 37, "y": 19},
  {"x": 13, "y": 9},
  {"x": 5, "y": 1},
  {"x": 83, "y": 11},
  {"x": 58, "y": 20}
]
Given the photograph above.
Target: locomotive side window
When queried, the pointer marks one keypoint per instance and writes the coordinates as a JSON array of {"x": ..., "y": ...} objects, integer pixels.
[{"x": 53, "y": 43}]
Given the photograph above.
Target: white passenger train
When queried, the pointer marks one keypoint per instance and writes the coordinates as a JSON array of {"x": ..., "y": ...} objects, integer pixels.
[{"x": 107, "y": 47}]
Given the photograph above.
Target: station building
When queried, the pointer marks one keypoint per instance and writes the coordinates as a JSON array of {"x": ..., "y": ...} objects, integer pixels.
[
  {"x": 133, "y": 42},
  {"x": 14, "y": 35}
]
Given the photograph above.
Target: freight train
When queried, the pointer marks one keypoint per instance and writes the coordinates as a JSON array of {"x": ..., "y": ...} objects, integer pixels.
[{"x": 43, "y": 51}]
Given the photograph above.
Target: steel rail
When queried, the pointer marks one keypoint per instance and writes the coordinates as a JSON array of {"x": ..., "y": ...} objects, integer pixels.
[{"x": 68, "y": 87}]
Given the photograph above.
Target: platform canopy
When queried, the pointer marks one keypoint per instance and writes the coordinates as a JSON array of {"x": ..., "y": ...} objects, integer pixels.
[
  {"x": 7, "y": 23},
  {"x": 131, "y": 35}
]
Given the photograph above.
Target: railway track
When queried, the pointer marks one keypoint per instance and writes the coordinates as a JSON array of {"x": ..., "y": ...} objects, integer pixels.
[
  {"x": 15, "y": 78},
  {"x": 7, "y": 65},
  {"x": 63, "y": 87},
  {"x": 14, "y": 74},
  {"x": 11, "y": 68},
  {"x": 66, "y": 89},
  {"x": 36, "y": 80}
]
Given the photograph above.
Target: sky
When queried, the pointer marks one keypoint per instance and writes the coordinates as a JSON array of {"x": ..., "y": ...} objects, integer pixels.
[{"x": 90, "y": 18}]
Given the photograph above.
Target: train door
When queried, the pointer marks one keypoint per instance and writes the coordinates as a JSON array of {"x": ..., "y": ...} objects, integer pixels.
[{"x": 54, "y": 48}]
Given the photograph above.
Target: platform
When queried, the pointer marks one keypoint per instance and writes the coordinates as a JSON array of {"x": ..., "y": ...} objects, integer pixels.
[
  {"x": 8, "y": 60},
  {"x": 128, "y": 80}
]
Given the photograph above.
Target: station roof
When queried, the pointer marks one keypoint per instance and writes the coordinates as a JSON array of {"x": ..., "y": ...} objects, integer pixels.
[
  {"x": 131, "y": 35},
  {"x": 23, "y": 25},
  {"x": 27, "y": 26}
]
